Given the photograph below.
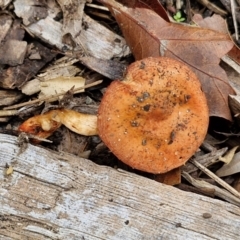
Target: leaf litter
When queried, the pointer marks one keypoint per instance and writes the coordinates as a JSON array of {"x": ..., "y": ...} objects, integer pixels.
[
  {"x": 199, "y": 48},
  {"x": 148, "y": 32}
]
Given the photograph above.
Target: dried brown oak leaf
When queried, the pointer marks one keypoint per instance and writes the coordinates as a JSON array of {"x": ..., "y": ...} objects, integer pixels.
[
  {"x": 148, "y": 34},
  {"x": 217, "y": 23}
]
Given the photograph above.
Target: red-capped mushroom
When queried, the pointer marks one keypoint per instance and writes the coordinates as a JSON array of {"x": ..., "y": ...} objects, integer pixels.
[{"x": 156, "y": 118}]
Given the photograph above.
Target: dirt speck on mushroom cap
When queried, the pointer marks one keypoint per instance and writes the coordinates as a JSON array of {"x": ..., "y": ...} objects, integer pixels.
[{"x": 156, "y": 118}]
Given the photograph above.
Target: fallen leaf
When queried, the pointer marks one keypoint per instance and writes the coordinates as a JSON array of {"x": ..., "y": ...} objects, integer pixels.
[
  {"x": 59, "y": 68},
  {"x": 232, "y": 58},
  {"x": 60, "y": 85},
  {"x": 231, "y": 168},
  {"x": 149, "y": 4},
  {"x": 148, "y": 34},
  {"x": 229, "y": 155},
  {"x": 234, "y": 54},
  {"x": 217, "y": 23}
]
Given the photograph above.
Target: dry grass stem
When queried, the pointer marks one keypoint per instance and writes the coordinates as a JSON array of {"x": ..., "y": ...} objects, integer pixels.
[
  {"x": 207, "y": 187},
  {"x": 213, "y": 7},
  {"x": 97, "y": 7},
  {"x": 216, "y": 178}
]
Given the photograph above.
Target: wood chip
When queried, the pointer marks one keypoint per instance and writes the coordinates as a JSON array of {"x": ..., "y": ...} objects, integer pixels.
[
  {"x": 72, "y": 19},
  {"x": 13, "y": 52},
  {"x": 98, "y": 41},
  {"x": 6, "y": 23},
  {"x": 4, "y": 3},
  {"x": 9, "y": 97},
  {"x": 15, "y": 77},
  {"x": 30, "y": 13}
]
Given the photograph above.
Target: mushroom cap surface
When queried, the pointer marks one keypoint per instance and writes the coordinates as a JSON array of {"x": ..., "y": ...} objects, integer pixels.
[{"x": 156, "y": 118}]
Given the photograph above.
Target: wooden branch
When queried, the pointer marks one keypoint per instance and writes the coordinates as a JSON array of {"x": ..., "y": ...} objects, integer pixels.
[{"x": 53, "y": 195}]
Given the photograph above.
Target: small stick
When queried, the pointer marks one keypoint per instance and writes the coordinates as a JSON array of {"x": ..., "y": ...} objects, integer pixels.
[
  {"x": 38, "y": 138},
  {"x": 212, "y": 7},
  {"x": 51, "y": 97},
  {"x": 178, "y": 4},
  {"x": 216, "y": 178},
  {"x": 5, "y": 113},
  {"x": 97, "y": 6},
  {"x": 233, "y": 10}
]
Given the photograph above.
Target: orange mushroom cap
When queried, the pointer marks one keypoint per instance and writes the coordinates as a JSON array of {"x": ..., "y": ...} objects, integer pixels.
[{"x": 156, "y": 118}]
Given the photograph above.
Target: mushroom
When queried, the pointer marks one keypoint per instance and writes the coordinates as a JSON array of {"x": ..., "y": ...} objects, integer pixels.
[
  {"x": 156, "y": 118},
  {"x": 42, "y": 126},
  {"x": 81, "y": 123}
]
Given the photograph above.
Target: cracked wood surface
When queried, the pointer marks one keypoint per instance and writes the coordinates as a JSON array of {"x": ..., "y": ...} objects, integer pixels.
[{"x": 52, "y": 195}]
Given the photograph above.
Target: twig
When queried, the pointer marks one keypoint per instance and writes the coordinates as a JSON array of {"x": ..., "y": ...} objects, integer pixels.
[
  {"x": 178, "y": 4},
  {"x": 233, "y": 10},
  {"x": 97, "y": 7},
  {"x": 212, "y": 7},
  {"x": 206, "y": 160},
  {"x": 5, "y": 113},
  {"x": 76, "y": 90},
  {"x": 188, "y": 11},
  {"x": 28, "y": 135},
  {"x": 209, "y": 188},
  {"x": 216, "y": 178}
]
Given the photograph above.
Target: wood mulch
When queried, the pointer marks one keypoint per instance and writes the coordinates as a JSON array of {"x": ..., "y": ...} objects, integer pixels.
[{"x": 72, "y": 186}]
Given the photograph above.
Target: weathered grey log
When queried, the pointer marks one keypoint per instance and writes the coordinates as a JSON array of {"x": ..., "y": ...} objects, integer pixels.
[{"x": 51, "y": 195}]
